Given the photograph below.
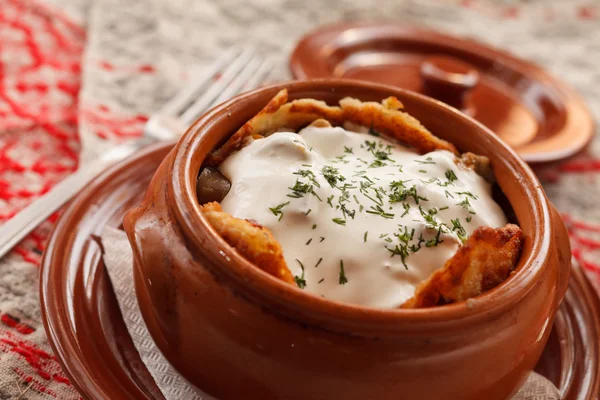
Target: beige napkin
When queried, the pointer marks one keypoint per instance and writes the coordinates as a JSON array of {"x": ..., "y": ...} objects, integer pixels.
[{"x": 118, "y": 259}]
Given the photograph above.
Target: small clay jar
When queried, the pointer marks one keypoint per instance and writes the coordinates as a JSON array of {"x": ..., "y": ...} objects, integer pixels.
[{"x": 236, "y": 332}]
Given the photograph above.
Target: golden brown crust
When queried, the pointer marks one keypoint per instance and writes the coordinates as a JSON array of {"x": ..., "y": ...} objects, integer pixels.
[
  {"x": 487, "y": 258},
  {"x": 385, "y": 117},
  {"x": 277, "y": 114},
  {"x": 253, "y": 241},
  {"x": 247, "y": 130},
  {"x": 388, "y": 119},
  {"x": 482, "y": 263}
]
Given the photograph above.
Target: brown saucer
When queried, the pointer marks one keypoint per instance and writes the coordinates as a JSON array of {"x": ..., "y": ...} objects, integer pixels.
[
  {"x": 538, "y": 115},
  {"x": 88, "y": 335}
]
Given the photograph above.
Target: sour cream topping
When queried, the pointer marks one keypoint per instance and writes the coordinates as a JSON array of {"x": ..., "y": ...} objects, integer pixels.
[{"x": 360, "y": 219}]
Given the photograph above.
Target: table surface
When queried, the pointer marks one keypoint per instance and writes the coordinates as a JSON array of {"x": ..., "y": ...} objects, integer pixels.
[{"x": 78, "y": 76}]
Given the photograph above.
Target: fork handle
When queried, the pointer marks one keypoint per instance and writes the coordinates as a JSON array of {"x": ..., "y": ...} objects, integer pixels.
[{"x": 26, "y": 220}]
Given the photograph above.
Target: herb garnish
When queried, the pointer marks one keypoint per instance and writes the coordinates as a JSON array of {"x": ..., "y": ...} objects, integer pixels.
[
  {"x": 451, "y": 176},
  {"x": 277, "y": 210},
  {"x": 300, "y": 189},
  {"x": 465, "y": 204},
  {"x": 339, "y": 221},
  {"x": 406, "y": 209},
  {"x": 459, "y": 229},
  {"x": 377, "y": 210},
  {"x": 319, "y": 262},
  {"x": 300, "y": 281},
  {"x": 343, "y": 279},
  {"x": 400, "y": 193},
  {"x": 332, "y": 175},
  {"x": 436, "y": 240},
  {"x": 309, "y": 240},
  {"x": 428, "y": 160},
  {"x": 469, "y": 194}
]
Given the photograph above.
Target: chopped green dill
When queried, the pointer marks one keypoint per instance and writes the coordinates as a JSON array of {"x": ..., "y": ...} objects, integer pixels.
[
  {"x": 322, "y": 238},
  {"x": 465, "y": 203},
  {"x": 318, "y": 262},
  {"x": 360, "y": 208},
  {"x": 448, "y": 194},
  {"x": 329, "y": 200},
  {"x": 429, "y": 181},
  {"x": 309, "y": 240},
  {"x": 308, "y": 212},
  {"x": 356, "y": 199},
  {"x": 377, "y": 164},
  {"x": 469, "y": 218},
  {"x": 339, "y": 221},
  {"x": 300, "y": 281},
  {"x": 277, "y": 210},
  {"x": 348, "y": 150},
  {"x": 422, "y": 171},
  {"x": 383, "y": 235},
  {"x": 400, "y": 250},
  {"x": 343, "y": 279},
  {"x": 300, "y": 189},
  {"x": 406, "y": 209},
  {"x": 332, "y": 175},
  {"x": 451, "y": 176},
  {"x": 314, "y": 226},
  {"x": 436, "y": 240},
  {"x": 428, "y": 160},
  {"x": 345, "y": 211},
  {"x": 377, "y": 210},
  {"x": 365, "y": 237},
  {"x": 429, "y": 218},
  {"x": 416, "y": 247},
  {"x": 322, "y": 279},
  {"x": 459, "y": 229},
  {"x": 400, "y": 193},
  {"x": 405, "y": 236},
  {"x": 444, "y": 208},
  {"x": 468, "y": 194},
  {"x": 306, "y": 173}
]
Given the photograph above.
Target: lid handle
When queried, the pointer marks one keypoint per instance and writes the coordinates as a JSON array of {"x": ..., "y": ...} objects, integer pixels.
[{"x": 448, "y": 79}]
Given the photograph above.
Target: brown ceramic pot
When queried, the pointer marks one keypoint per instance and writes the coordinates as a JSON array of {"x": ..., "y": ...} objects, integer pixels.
[{"x": 236, "y": 332}]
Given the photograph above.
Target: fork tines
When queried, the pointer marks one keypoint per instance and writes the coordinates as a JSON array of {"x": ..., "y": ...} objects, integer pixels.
[{"x": 236, "y": 70}]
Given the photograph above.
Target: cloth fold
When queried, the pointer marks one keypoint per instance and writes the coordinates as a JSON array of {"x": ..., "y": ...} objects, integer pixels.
[{"x": 118, "y": 259}]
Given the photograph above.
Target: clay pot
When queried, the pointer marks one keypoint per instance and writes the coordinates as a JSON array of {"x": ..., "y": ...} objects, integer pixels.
[{"x": 236, "y": 332}]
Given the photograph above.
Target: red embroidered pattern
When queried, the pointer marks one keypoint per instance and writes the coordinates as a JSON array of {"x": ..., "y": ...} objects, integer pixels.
[{"x": 39, "y": 81}]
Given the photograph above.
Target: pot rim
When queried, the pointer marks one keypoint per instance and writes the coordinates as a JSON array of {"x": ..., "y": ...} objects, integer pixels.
[{"x": 257, "y": 284}]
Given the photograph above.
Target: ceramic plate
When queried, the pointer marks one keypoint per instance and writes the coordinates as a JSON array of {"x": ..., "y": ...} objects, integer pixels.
[
  {"x": 87, "y": 332},
  {"x": 538, "y": 115}
]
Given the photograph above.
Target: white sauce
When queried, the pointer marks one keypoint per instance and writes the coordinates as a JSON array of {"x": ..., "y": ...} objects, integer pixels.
[{"x": 262, "y": 174}]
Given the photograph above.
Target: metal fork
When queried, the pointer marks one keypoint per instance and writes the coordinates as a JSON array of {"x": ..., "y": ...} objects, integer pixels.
[{"x": 236, "y": 70}]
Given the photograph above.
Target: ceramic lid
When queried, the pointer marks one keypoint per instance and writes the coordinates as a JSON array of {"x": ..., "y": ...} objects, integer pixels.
[{"x": 535, "y": 113}]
